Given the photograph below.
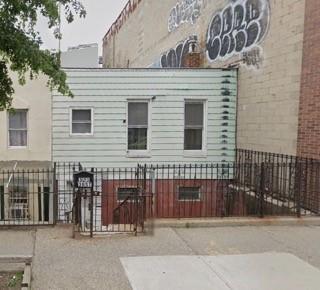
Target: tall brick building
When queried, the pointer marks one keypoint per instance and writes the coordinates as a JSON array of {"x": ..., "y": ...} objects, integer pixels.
[
  {"x": 273, "y": 43},
  {"x": 309, "y": 111}
]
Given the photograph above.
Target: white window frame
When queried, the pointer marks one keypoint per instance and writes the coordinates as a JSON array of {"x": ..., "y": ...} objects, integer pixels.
[
  {"x": 203, "y": 151},
  {"x": 8, "y": 129},
  {"x": 70, "y": 121},
  {"x": 139, "y": 153}
]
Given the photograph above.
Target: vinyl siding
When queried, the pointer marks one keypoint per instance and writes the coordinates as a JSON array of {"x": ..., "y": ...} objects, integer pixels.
[{"x": 107, "y": 93}]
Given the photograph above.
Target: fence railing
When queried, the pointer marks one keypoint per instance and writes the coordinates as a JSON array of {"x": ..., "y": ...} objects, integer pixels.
[
  {"x": 27, "y": 197},
  {"x": 257, "y": 184}
]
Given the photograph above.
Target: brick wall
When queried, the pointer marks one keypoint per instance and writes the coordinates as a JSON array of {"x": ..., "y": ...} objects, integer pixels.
[
  {"x": 269, "y": 72},
  {"x": 309, "y": 112}
]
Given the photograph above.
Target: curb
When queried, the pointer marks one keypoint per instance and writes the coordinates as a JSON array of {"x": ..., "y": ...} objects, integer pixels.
[{"x": 235, "y": 222}]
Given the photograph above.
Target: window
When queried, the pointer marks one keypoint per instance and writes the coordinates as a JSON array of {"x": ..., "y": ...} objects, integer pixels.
[
  {"x": 137, "y": 126},
  {"x": 124, "y": 192},
  {"x": 189, "y": 193},
  {"x": 81, "y": 121},
  {"x": 193, "y": 126},
  {"x": 18, "y": 128},
  {"x": 18, "y": 200}
]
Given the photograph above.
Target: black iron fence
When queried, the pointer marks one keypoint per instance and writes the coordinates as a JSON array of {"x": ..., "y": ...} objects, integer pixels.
[
  {"x": 257, "y": 184},
  {"x": 27, "y": 197}
]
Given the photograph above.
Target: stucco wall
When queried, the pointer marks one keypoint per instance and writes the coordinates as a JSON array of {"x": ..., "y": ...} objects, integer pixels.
[
  {"x": 269, "y": 68},
  {"x": 35, "y": 96}
]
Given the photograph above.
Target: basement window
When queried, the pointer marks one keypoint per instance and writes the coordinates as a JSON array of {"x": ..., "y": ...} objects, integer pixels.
[
  {"x": 125, "y": 192},
  {"x": 189, "y": 193}
]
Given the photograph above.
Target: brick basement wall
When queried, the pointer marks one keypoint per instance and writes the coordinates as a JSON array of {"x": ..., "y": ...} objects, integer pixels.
[{"x": 309, "y": 111}]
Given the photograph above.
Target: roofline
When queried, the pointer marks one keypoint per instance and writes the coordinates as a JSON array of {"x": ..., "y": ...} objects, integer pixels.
[
  {"x": 149, "y": 69},
  {"x": 129, "y": 7}
]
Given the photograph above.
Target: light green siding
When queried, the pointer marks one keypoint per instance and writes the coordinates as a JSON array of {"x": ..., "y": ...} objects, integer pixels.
[{"x": 107, "y": 92}]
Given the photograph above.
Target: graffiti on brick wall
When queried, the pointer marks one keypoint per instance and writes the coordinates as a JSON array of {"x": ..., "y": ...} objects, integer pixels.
[
  {"x": 237, "y": 29},
  {"x": 253, "y": 58},
  {"x": 185, "y": 11},
  {"x": 174, "y": 58}
]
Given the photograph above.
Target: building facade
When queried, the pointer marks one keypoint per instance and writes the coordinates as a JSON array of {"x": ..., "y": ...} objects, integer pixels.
[
  {"x": 267, "y": 40},
  {"x": 119, "y": 118},
  {"x": 169, "y": 117}
]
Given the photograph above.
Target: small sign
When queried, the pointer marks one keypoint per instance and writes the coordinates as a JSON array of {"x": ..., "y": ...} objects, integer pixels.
[{"x": 83, "y": 179}]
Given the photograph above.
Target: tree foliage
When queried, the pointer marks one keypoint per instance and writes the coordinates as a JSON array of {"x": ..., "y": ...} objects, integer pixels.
[{"x": 20, "y": 43}]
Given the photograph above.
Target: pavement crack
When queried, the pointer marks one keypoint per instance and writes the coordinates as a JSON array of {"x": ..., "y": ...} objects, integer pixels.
[{"x": 193, "y": 250}]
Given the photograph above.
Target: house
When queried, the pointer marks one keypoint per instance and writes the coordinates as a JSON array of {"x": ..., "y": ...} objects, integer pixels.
[
  {"x": 273, "y": 43},
  {"x": 25, "y": 154},
  {"x": 166, "y": 117},
  {"x": 26, "y": 173}
]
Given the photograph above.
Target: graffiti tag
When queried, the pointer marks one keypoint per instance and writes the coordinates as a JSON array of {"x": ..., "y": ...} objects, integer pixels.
[
  {"x": 175, "y": 57},
  {"x": 185, "y": 11},
  {"x": 253, "y": 58},
  {"x": 237, "y": 28}
]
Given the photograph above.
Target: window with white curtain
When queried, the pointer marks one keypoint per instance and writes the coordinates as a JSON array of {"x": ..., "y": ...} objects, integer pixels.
[
  {"x": 81, "y": 122},
  {"x": 138, "y": 125},
  {"x": 194, "y": 125},
  {"x": 18, "y": 131}
]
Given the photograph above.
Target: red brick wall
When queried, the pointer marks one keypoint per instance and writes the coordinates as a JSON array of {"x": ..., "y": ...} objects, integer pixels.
[
  {"x": 166, "y": 203},
  {"x": 309, "y": 112}
]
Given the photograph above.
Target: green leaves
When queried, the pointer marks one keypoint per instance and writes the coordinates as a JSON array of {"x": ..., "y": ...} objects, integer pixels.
[{"x": 20, "y": 43}]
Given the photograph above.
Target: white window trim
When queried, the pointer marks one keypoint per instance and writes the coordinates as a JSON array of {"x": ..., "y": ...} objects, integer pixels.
[
  {"x": 139, "y": 153},
  {"x": 70, "y": 121},
  {"x": 8, "y": 128},
  {"x": 203, "y": 152}
]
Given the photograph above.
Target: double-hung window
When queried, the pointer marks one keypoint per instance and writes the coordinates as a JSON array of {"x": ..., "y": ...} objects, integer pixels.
[
  {"x": 18, "y": 132},
  {"x": 138, "y": 121},
  {"x": 81, "y": 122},
  {"x": 194, "y": 125}
]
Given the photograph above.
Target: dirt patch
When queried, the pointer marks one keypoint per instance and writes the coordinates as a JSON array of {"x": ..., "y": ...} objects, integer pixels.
[{"x": 10, "y": 281}]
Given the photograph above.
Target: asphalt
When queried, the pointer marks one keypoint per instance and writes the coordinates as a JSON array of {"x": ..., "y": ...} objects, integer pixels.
[{"x": 61, "y": 262}]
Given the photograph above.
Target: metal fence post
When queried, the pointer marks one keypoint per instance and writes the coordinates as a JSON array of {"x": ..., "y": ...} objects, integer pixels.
[
  {"x": 262, "y": 186},
  {"x": 55, "y": 197},
  {"x": 298, "y": 187}
]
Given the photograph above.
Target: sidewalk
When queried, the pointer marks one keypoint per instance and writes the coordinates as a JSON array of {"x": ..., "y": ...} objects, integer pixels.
[{"x": 61, "y": 262}]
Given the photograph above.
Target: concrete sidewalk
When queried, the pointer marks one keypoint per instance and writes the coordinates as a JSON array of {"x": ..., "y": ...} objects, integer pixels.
[
  {"x": 61, "y": 262},
  {"x": 15, "y": 243},
  {"x": 266, "y": 271}
]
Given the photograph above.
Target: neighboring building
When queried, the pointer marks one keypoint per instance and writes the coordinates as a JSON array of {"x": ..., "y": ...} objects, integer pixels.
[
  {"x": 85, "y": 56},
  {"x": 268, "y": 40},
  {"x": 25, "y": 148},
  {"x": 26, "y": 177}
]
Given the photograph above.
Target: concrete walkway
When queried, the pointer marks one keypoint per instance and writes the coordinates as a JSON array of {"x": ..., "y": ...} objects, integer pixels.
[{"x": 266, "y": 271}]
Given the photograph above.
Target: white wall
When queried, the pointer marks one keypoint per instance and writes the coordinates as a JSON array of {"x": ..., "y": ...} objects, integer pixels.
[
  {"x": 107, "y": 93},
  {"x": 81, "y": 56}
]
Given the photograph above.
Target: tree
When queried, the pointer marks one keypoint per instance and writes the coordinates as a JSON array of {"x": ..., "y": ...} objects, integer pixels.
[{"x": 20, "y": 43}]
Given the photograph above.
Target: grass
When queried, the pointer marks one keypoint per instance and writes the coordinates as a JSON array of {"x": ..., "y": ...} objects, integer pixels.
[{"x": 15, "y": 280}]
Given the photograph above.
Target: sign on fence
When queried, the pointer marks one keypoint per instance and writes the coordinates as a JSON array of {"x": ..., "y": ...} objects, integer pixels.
[{"x": 83, "y": 180}]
